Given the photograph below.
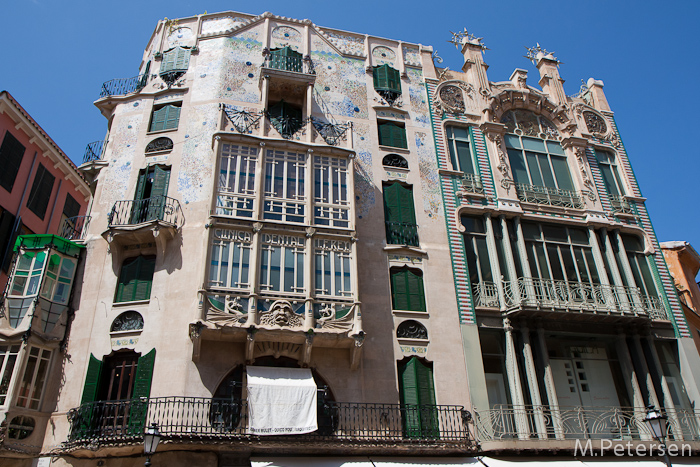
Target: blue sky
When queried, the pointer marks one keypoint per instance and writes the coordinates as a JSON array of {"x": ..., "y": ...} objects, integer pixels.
[{"x": 57, "y": 54}]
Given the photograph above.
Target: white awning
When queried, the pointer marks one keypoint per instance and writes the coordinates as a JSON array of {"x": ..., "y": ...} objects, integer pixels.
[
  {"x": 281, "y": 401},
  {"x": 364, "y": 462}
]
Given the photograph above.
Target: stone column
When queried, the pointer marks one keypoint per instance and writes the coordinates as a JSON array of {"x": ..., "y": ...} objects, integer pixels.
[
  {"x": 510, "y": 289},
  {"x": 549, "y": 386},
  {"x": 516, "y": 390},
  {"x": 667, "y": 398},
  {"x": 630, "y": 376},
  {"x": 533, "y": 384},
  {"x": 493, "y": 260},
  {"x": 527, "y": 288}
]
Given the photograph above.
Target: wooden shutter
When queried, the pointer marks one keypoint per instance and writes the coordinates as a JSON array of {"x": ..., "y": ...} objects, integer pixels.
[
  {"x": 142, "y": 389},
  {"x": 7, "y": 222},
  {"x": 379, "y": 75},
  {"x": 158, "y": 119},
  {"x": 398, "y": 204},
  {"x": 386, "y": 78},
  {"x": 172, "y": 117},
  {"x": 92, "y": 380},
  {"x": 426, "y": 398},
  {"x": 399, "y": 289},
  {"x": 11, "y": 154},
  {"x": 393, "y": 79},
  {"x": 144, "y": 278},
  {"x": 414, "y": 291},
  {"x": 182, "y": 59},
  {"x": 40, "y": 193},
  {"x": 71, "y": 208},
  {"x": 410, "y": 401},
  {"x": 159, "y": 191},
  {"x": 391, "y": 134},
  {"x": 135, "y": 279}
]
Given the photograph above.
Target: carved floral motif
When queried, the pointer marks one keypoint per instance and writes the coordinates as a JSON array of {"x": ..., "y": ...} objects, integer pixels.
[{"x": 411, "y": 329}]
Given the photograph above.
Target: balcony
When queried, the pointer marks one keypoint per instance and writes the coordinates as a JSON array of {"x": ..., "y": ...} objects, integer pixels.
[
  {"x": 131, "y": 219},
  {"x": 574, "y": 298},
  {"x": 549, "y": 196},
  {"x": 293, "y": 64},
  {"x": 546, "y": 424},
  {"x": 471, "y": 185},
  {"x": 121, "y": 87},
  {"x": 342, "y": 426},
  {"x": 401, "y": 233},
  {"x": 620, "y": 205},
  {"x": 75, "y": 228},
  {"x": 94, "y": 152}
]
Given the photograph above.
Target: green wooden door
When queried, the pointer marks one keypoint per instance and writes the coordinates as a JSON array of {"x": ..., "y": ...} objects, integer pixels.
[
  {"x": 159, "y": 192},
  {"x": 138, "y": 410},
  {"x": 418, "y": 400},
  {"x": 85, "y": 421}
]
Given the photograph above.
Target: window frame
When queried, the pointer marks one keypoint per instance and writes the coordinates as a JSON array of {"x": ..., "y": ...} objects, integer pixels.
[
  {"x": 235, "y": 241},
  {"x": 286, "y": 202},
  {"x": 11, "y": 156},
  {"x": 119, "y": 289},
  {"x": 236, "y": 187},
  {"x": 333, "y": 268},
  {"x": 610, "y": 172},
  {"x": 31, "y": 402},
  {"x": 331, "y": 196},
  {"x": 7, "y": 375},
  {"x": 392, "y": 138},
  {"x": 456, "y": 158},
  {"x": 412, "y": 282},
  {"x": 275, "y": 253},
  {"x": 170, "y": 121}
]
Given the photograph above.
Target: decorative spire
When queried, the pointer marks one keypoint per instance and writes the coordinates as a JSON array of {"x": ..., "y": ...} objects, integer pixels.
[
  {"x": 535, "y": 53},
  {"x": 462, "y": 37}
]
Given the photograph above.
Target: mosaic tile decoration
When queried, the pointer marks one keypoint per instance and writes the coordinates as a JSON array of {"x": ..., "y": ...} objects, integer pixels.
[
  {"x": 219, "y": 25},
  {"x": 195, "y": 175},
  {"x": 286, "y": 35},
  {"x": 430, "y": 183},
  {"x": 123, "y": 138},
  {"x": 347, "y": 44},
  {"x": 418, "y": 98},
  {"x": 239, "y": 66},
  {"x": 383, "y": 56},
  {"x": 411, "y": 56},
  {"x": 364, "y": 181}
]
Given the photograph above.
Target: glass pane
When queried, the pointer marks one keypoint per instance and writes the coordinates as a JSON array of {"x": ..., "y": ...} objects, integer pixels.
[
  {"x": 555, "y": 233},
  {"x": 533, "y": 167},
  {"x": 486, "y": 274},
  {"x": 288, "y": 270},
  {"x": 555, "y": 148},
  {"x": 460, "y": 133},
  {"x": 609, "y": 179},
  {"x": 533, "y": 144},
  {"x": 517, "y": 164},
  {"x": 465, "y": 157},
  {"x": 555, "y": 263},
  {"x": 512, "y": 141},
  {"x": 578, "y": 236},
  {"x": 67, "y": 268},
  {"x": 592, "y": 270},
  {"x": 581, "y": 264},
  {"x": 561, "y": 171},
  {"x": 546, "y": 171},
  {"x": 473, "y": 224},
  {"x": 530, "y": 231}
]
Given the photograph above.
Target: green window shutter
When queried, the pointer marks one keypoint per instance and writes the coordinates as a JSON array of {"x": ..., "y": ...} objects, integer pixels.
[
  {"x": 140, "y": 185},
  {"x": 172, "y": 117},
  {"x": 168, "y": 61},
  {"x": 159, "y": 191},
  {"x": 127, "y": 282},
  {"x": 182, "y": 59},
  {"x": 11, "y": 154},
  {"x": 393, "y": 79},
  {"x": 410, "y": 401},
  {"x": 400, "y": 215},
  {"x": 415, "y": 292},
  {"x": 391, "y": 134},
  {"x": 92, "y": 380},
  {"x": 426, "y": 395},
  {"x": 379, "y": 75},
  {"x": 399, "y": 289},
  {"x": 135, "y": 280},
  {"x": 142, "y": 389},
  {"x": 158, "y": 119},
  {"x": 386, "y": 78},
  {"x": 40, "y": 193}
]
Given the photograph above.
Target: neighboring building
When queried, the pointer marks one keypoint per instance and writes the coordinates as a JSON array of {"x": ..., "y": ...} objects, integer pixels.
[
  {"x": 40, "y": 188},
  {"x": 265, "y": 205},
  {"x": 421, "y": 256},
  {"x": 684, "y": 263},
  {"x": 570, "y": 322}
]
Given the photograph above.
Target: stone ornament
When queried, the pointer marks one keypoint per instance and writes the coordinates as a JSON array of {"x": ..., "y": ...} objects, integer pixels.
[
  {"x": 127, "y": 321},
  {"x": 395, "y": 160},
  {"x": 281, "y": 314},
  {"x": 450, "y": 97},
  {"x": 159, "y": 144},
  {"x": 411, "y": 329},
  {"x": 596, "y": 124}
]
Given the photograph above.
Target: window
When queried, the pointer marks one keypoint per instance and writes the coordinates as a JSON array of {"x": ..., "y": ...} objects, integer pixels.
[
  {"x": 151, "y": 194},
  {"x": 11, "y": 154},
  {"x": 127, "y": 321},
  {"x": 333, "y": 267},
  {"x": 331, "y": 203},
  {"x": 165, "y": 117},
  {"x": 236, "y": 188},
  {"x": 610, "y": 172},
  {"x": 400, "y": 215},
  {"x": 135, "y": 279},
  {"x": 559, "y": 253},
  {"x": 387, "y": 82},
  {"x": 392, "y": 134},
  {"x": 31, "y": 387},
  {"x": 643, "y": 277},
  {"x": 418, "y": 399},
  {"x": 41, "y": 191},
  {"x": 459, "y": 148},
  {"x": 230, "y": 259},
  {"x": 175, "y": 63},
  {"x": 477, "y": 251},
  {"x": 59, "y": 279},
  {"x": 286, "y": 118},
  {"x": 407, "y": 289},
  {"x": 286, "y": 59},
  {"x": 411, "y": 329},
  {"x": 8, "y": 358},
  {"x": 284, "y": 186},
  {"x": 7, "y": 225},
  {"x": 70, "y": 228},
  {"x": 395, "y": 160},
  {"x": 282, "y": 263}
]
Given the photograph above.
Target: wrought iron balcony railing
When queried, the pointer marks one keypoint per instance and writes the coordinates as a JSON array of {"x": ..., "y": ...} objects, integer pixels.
[
  {"x": 401, "y": 233},
  {"x": 620, "y": 205},
  {"x": 75, "y": 228},
  {"x": 198, "y": 419},
  {"x": 471, "y": 183},
  {"x": 137, "y": 211},
  {"x": 94, "y": 151},
  {"x": 551, "y": 196},
  {"x": 566, "y": 296},
  {"x": 120, "y": 87},
  {"x": 296, "y": 64},
  {"x": 574, "y": 423}
]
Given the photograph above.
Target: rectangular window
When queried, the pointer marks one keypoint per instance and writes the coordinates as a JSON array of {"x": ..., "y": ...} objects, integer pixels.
[
  {"x": 11, "y": 154},
  {"x": 59, "y": 279},
  {"x": 165, "y": 117},
  {"x": 230, "y": 259},
  {"x": 392, "y": 134},
  {"x": 31, "y": 387},
  {"x": 284, "y": 186},
  {"x": 400, "y": 215},
  {"x": 407, "y": 289},
  {"x": 282, "y": 263},
  {"x": 610, "y": 172},
  {"x": 639, "y": 264},
  {"x": 333, "y": 260},
  {"x": 538, "y": 162},
  {"x": 331, "y": 203},
  {"x": 459, "y": 148},
  {"x": 236, "y": 187},
  {"x": 8, "y": 358},
  {"x": 135, "y": 279},
  {"x": 40, "y": 193}
]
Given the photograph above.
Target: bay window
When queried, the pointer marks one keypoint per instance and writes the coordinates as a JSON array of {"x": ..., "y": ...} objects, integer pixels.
[
  {"x": 282, "y": 263},
  {"x": 284, "y": 186},
  {"x": 230, "y": 259},
  {"x": 331, "y": 203},
  {"x": 8, "y": 359}
]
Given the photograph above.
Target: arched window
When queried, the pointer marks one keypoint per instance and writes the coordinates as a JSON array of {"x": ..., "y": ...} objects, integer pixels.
[
  {"x": 395, "y": 160},
  {"x": 538, "y": 161},
  {"x": 407, "y": 289}
]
